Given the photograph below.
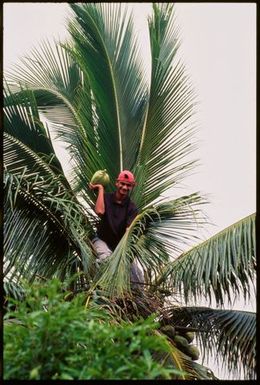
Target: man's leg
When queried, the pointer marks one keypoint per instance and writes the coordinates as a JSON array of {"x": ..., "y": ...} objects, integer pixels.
[
  {"x": 136, "y": 276},
  {"x": 102, "y": 250}
]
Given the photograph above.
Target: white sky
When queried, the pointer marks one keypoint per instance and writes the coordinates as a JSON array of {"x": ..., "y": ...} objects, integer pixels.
[{"x": 219, "y": 50}]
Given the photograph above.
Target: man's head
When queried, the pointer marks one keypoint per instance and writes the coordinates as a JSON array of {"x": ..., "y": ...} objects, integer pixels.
[
  {"x": 126, "y": 176},
  {"x": 125, "y": 182}
]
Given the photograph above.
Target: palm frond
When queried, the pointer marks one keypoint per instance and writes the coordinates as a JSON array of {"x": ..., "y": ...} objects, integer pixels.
[
  {"x": 220, "y": 266},
  {"x": 228, "y": 335},
  {"x": 20, "y": 159},
  {"x": 13, "y": 290},
  {"x": 22, "y": 121},
  {"x": 42, "y": 216},
  {"x": 55, "y": 79},
  {"x": 167, "y": 129},
  {"x": 61, "y": 94},
  {"x": 49, "y": 68},
  {"x": 39, "y": 226},
  {"x": 108, "y": 55}
]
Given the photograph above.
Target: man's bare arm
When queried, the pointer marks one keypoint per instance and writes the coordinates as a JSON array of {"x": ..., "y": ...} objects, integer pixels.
[{"x": 100, "y": 203}]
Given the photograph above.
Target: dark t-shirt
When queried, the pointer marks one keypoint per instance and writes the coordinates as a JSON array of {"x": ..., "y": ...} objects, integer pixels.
[{"x": 117, "y": 217}]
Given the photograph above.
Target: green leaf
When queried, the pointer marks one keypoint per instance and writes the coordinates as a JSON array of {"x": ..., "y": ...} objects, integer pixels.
[
  {"x": 107, "y": 52},
  {"x": 200, "y": 272},
  {"x": 168, "y": 129}
]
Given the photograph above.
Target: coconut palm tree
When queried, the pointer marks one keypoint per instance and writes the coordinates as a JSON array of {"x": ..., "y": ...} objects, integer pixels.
[{"x": 92, "y": 93}]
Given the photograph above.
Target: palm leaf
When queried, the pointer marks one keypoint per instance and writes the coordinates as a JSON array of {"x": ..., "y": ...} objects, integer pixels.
[
  {"x": 55, "y": 79},
  {"x": 40, "y": 208},
  {"x": 166, "y": 140},
  {"x": 220, "y": 266},
  {"x": 22, "y": 121},
  {"x": 57, "y": 84},
  {"x": 46, "y": 226},
  {"x": 48, "y": 68},
  {"x": 13, "y": 290},
  {"x": 107, "y": 53}
]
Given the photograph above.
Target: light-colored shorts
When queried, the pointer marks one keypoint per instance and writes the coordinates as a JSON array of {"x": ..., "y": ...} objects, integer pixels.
[{"x": 103, "y": 251}]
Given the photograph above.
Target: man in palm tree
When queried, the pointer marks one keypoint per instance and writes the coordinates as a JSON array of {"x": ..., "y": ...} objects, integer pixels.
[{"x": 117, "y": 211}]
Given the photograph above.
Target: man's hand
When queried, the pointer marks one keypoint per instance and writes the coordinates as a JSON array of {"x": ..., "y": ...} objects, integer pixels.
[{"x": 95, "y": 186}]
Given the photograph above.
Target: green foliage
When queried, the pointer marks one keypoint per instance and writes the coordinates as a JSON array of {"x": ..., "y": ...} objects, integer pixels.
[
  {"x": 224, "y": 265},
  {"x": 50, "y": 338}
]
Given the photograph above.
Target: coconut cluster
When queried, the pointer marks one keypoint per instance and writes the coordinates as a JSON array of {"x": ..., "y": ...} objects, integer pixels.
[{"x": 182, "y": 340}]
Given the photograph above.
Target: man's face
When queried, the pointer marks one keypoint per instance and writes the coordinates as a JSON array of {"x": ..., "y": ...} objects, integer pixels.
[{"x": 123, "y": 188}]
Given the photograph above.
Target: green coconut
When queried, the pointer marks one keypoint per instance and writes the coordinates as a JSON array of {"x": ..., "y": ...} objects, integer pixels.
[
  {"x": 181, "y": 342},
  {"x": 100, "y": 177},
  {"x": 193, "y": 352},
  {"x": 168, "y": 330},
  {"x": 189, "y": 336}
]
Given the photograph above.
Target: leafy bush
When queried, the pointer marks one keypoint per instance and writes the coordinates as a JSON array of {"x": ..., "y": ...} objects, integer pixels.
[{"x": 50, "y": 338}]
